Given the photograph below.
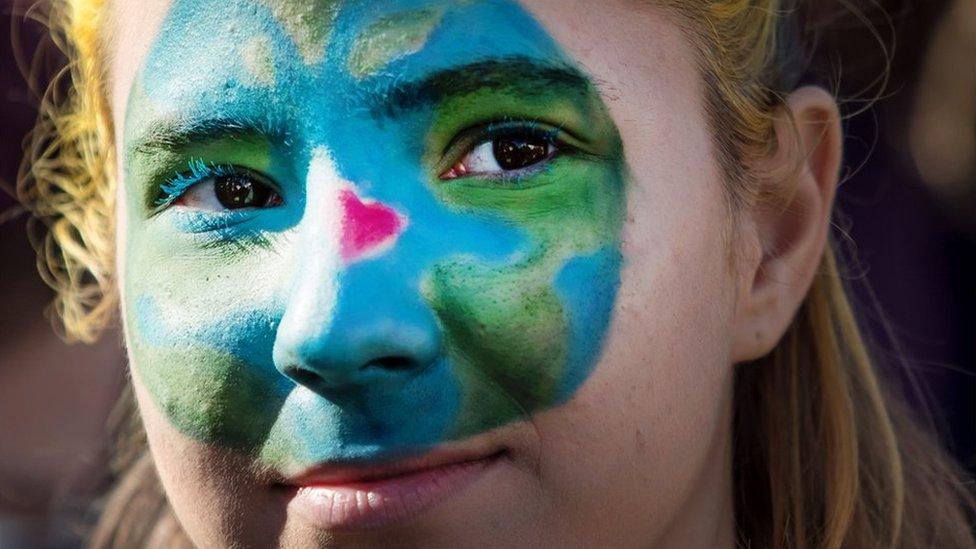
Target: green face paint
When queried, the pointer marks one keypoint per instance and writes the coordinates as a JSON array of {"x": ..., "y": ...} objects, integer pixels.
[
  {"x": 392, "y": 38},
  {"x": 309, "y": 24},
  {"x": 404, "y": 289}
]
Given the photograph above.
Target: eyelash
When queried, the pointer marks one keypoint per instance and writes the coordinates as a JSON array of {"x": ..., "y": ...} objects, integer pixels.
[{"x": 197, "y": 170}]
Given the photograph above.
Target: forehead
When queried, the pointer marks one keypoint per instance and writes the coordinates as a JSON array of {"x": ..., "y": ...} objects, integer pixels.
[
  {"x": 219, "y": 56},
  {"x": 366, "y": 32}
]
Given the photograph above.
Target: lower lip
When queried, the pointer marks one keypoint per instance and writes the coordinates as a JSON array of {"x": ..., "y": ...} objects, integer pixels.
[{"x": 385, "y": 502}]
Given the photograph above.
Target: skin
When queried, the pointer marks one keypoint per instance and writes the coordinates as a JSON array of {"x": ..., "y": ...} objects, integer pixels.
[{"x": 583, "y": 316}]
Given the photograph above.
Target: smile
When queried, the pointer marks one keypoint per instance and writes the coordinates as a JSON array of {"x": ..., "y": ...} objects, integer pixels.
[{"x": 371, "y": 496}]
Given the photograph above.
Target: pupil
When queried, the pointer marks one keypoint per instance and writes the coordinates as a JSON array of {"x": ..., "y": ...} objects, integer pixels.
[
  {"x": 239, "y": 191},
  {"x": 513, "y": 153}
]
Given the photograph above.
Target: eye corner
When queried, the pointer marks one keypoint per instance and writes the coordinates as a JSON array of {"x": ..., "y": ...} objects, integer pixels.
[{"x": 456, "y": 172}]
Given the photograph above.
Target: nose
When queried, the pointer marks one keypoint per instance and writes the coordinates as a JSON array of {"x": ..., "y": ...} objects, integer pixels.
[
  {"x": 348, "y": 325},
  {"x": 389, "y": 342}
]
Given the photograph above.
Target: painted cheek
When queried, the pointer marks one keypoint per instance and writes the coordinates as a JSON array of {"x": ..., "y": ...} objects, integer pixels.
[
  {"x": 524, "y": 336},
  {"x": 506, "y": 334},
  {"x": 211, "y": 395}
]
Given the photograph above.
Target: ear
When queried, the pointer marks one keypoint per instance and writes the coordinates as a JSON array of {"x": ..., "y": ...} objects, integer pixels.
[{"x": 782, "y": 240}]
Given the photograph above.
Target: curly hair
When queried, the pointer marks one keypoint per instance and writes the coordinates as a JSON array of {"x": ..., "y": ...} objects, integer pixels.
[{"x": 68, "y": 178}]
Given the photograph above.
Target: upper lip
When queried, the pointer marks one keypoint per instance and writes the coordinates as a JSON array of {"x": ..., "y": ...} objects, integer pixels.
[{"x": 347, "y": 473}]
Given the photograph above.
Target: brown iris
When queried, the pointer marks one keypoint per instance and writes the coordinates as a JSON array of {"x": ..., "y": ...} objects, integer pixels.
[
  {"x": 514, "y": 153},
  {"x": 236, "y": 191}
]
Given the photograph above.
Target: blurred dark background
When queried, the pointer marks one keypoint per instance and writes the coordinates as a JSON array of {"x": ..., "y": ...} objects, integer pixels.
[
  {"x": 54, "y": 398},
  {"x": 908, "y": 224}
]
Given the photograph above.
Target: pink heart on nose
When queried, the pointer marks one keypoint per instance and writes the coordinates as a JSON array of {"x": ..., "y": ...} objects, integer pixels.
[{"x": 368, "y": 228}]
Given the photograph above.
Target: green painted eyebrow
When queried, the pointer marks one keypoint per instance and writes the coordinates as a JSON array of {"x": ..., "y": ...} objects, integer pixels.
[{"x": 518, "y": 75}]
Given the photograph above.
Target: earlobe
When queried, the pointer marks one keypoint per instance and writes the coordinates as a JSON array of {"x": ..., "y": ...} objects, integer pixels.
[{"x": 791, "y": 226}]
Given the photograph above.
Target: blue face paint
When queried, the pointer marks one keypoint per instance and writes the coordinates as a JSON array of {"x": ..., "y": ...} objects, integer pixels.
[{"x": 361, "y": 229}]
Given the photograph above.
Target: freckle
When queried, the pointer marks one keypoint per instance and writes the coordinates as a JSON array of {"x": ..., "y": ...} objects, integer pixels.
[
  {"x": 640, "y": 442},
  {"x": 758, "y": 336}
]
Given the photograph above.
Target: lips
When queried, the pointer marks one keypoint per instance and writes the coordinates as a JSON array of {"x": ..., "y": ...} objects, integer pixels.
[{"x": 337, "y": 497}]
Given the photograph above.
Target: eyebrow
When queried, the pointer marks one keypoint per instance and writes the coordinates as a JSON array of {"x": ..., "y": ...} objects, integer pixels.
[
  {"x": 169, "y": 135},
  {"x": 522, "y": 75}
]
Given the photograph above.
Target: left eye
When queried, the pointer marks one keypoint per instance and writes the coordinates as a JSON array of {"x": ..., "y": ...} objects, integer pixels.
[
  {"x": 232, "y": 191},
  {"x": 503, "y": 155}
]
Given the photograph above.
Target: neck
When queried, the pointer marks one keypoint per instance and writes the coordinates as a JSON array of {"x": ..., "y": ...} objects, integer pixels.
[{"x": 707, "y": 519}]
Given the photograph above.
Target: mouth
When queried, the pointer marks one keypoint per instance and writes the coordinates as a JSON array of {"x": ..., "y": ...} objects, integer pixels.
[{"x": 341, "y": 497}]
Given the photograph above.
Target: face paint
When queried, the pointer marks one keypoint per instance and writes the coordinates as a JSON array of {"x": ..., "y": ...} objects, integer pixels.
[
  {"x": 392, "y": 38},
  {"x": 308, "y": 24},
  {"x": 259, "y": 61},
  {"x": 406, "y": 289},
  {"x": 368, "y": 228}
]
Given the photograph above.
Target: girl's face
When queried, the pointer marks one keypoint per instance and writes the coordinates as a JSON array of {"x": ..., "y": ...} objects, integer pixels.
[{"x": 425, "y": 271}]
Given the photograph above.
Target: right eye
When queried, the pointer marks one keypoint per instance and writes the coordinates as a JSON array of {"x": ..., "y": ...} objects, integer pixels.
[
  {"x": 235, "y": 190},
  {"x": 504, "y": 155}
]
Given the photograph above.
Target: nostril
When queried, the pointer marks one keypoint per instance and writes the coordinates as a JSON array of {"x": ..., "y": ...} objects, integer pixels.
[
  {"x": 393, "y": 363},
  {"x": 305, "y": 377},
  {"x": 326, "y": 377}
]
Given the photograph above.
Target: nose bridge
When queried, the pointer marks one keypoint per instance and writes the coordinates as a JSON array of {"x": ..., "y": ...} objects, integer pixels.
[
  {"x": 314, "y": 292},
  {"x": 351, "y": 318}
]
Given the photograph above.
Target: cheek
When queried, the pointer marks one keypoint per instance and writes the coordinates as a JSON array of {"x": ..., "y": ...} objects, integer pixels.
[
  {"x": 652, "y": 422},
  {"x": 534, "y": 329},
  {"x": 199, "y": 331},
  {"x": 668, "y": 354},
  {"x": 212, "y": 490},
  {"x": 505, "y": 323},
  {"x": 674, "y": 322}
]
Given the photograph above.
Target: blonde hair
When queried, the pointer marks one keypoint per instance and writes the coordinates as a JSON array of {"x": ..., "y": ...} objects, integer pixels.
[
  {"x": 68, "y": 179},
  {"x": 823, "y": 458}
]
